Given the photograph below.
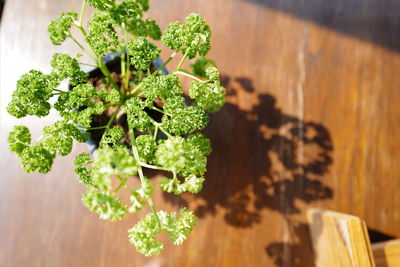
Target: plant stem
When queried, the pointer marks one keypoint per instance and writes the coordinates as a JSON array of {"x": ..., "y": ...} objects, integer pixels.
[
  {"x": 188, "y": 74},
  {"x": 119, "y": 178},
  {"x": 160, "y": 110},
  {"x": 140, "y": 171},
  {"x": 96, "y": 128},
  {"x": 160, "y": 127},
  {"x": 40, "y": 138},
  {"x": 123, "y": 182},
  {"x": 152, "y": 167},
  {"x": 23, "y": 143},
  {"x": 155, "y": 133},
  {"x": 165, "y": 63},
  {"x": 57, "y": 90},
  {"x": 112, "y": 117},
  {"x": 123, "y": 69},
  {"x": 82, "y": 12},
  {"x": 100, "y": 62},
  {"x": 182, "y": 60},
  {"x": 83, "y": 48},
  {"x": 107, "y": 73},
  {"x": 87, "y": 64},
  {"x": 128, "y": 62}
]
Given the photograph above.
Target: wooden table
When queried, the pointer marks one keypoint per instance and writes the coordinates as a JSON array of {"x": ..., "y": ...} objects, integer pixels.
[{"x": 312, "y": 119}]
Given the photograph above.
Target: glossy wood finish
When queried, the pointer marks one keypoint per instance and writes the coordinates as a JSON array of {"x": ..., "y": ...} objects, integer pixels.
[{"x": 311, "y": 120}]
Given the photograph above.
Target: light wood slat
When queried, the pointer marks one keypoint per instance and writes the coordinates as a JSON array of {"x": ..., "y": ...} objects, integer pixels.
[
  {"x": 387, "y": 254},
  {"x": 339, "y": 240}
]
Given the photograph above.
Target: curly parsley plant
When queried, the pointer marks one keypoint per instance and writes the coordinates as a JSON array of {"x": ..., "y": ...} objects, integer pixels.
[{"x": 173, "y": 144}]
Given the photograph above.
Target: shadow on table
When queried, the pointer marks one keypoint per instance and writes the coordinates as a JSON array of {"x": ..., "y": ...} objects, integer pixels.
[
  {"x": 298, "y": 253},
  {"x": 262, "y": 159},
  {"x": 375, "y": 21}
]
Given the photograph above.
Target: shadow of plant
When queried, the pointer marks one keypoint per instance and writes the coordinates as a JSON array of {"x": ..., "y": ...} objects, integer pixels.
[
  {"x": 295, "y": 253},
  {"x": 262, "y": 159}
]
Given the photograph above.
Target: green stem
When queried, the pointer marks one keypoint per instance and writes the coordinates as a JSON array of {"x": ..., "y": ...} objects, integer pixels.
[
  {"x": 82, "y": 12},
  {"x": 188, "y": 74},
  {"x": 123, "y": 68},
  {"x": 96, "y": 128},
  {"x": 128, "y": 62},
  {"x": 160, "y": 127},
  {"x": 100, "y": 62},
  {"x": 55, "y": 94},
  {"x": 40, "y": 138},
  {"x": 87, "y": 64},
  {"x": 140, "y": 171},
  {"x": 112, "y": 117},
  {"x": 182, "y": 59},
  {"x": 119, "y": 178},
  {"x": 123, "y": 182},
  {"x": 153, "y": 167},
  {"x": 57, "y": 90},
  {"x": 160, "y": 110},
  {"x": 155, "y": 133},
  {"x": 165, "y": 63},
  {"x": 107, "y": 73},
  {"x": 83, "y": 48},
  {"x": 23, "y": 143}
]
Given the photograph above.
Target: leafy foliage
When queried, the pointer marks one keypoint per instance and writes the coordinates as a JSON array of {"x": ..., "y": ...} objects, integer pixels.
[
  {"x": 104, "y": 204},
  {"x": 163, "y": 86},
  {"x": 19, "y": 139},
  {"x": 209, "y": 95},
  {"x": 111, "y": 136},
  {"x": 34, "y": 89},
  {"x": 102, "y": 37},
  {"x": 142, "y": 235},
  {"x": 84, "y": 173},
  {"x": 199, "y": 67},
  {"x": 193, "y": 38},
  {"x": 146, "y": 147},
  {"x": 65, "y": 66},
  {"x": 36, "y": 158},
  {"x": 180, "y": 156},
  {"x": 150, "y": 125},
  {"x": 102, "y": 4},
  {"x": 142, "y": 52},
  {"x": 59, "y": 28}
]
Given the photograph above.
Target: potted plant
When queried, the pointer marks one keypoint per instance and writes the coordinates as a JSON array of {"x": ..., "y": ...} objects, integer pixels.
[{"x": 138, "y": 112}]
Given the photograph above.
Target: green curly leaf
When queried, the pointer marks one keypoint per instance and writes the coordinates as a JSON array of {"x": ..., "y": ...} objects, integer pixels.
[
  {"x": 34, "y": 89},
  {"x": 193, "y": 38},
  {"x": 84, "y": 173},
  {"x": 19, "y": 139},
  {"x": 65, "y": 66},
  {"x": 59, "y": 28},
  {"x": 104, "y": 204},
  {"x": 142, "y": 52},
  {"x": 142, "y": 235},
  {"x": 36, "y": 158},
  {"x": 102, "y": 36}
]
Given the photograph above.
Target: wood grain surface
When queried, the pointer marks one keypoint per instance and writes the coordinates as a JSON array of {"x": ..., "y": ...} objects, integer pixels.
[{"x": 311, "y": 120}]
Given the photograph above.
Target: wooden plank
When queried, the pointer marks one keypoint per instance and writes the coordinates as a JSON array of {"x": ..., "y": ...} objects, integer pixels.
[
  {"x": 339, "y": 239},
  {"x": 387, "y": 254}
]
